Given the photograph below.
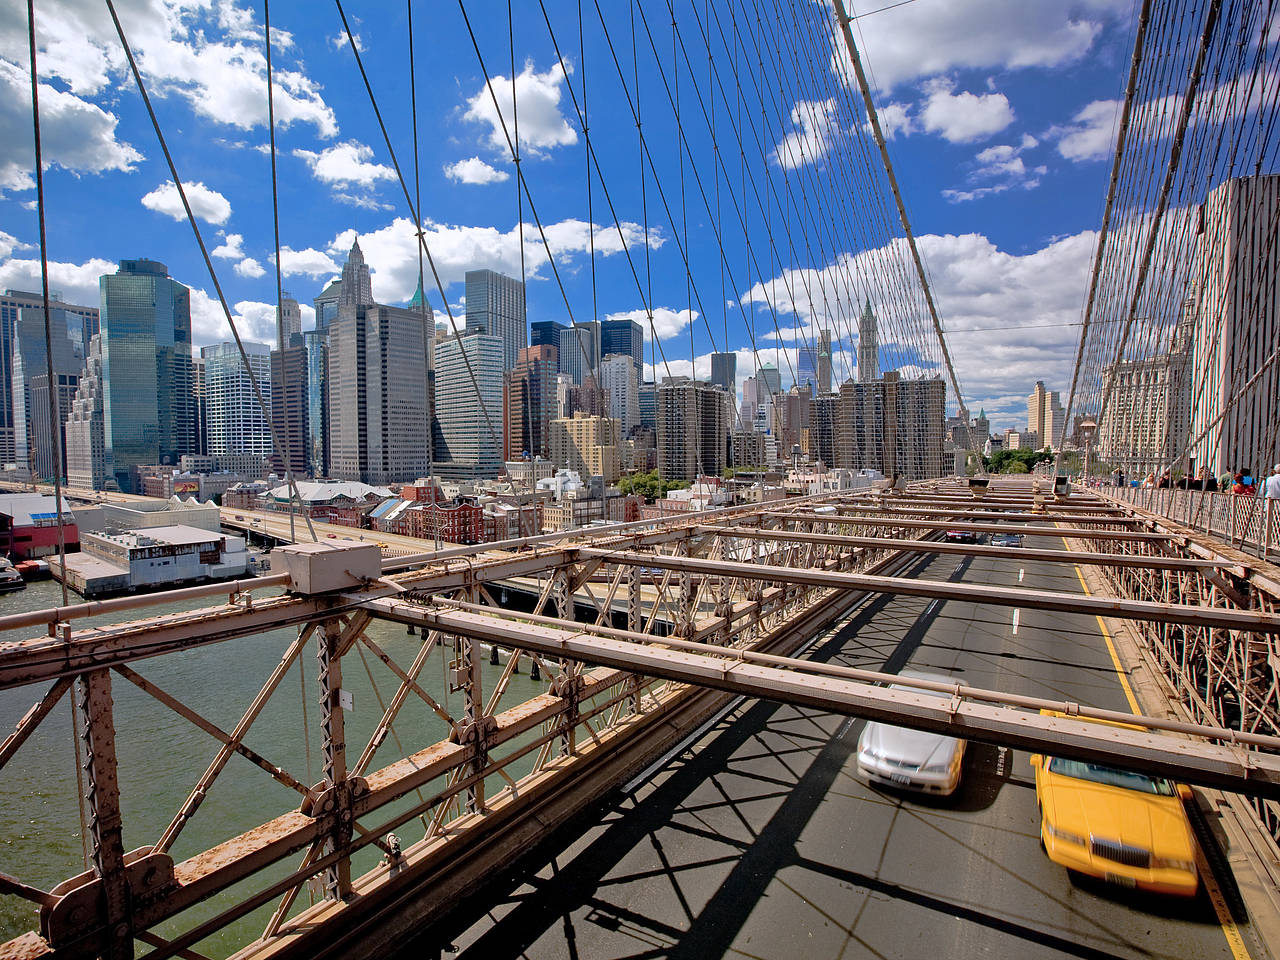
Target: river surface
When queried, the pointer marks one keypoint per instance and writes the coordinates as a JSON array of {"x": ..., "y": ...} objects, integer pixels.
[{"x": 162, "y": 755}]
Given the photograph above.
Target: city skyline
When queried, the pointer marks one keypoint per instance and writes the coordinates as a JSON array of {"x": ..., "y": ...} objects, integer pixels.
[{"x": 978, "y": 131}]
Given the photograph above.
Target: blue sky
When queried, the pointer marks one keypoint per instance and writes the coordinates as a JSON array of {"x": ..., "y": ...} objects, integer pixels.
[{"x": 1001, "y": 115}]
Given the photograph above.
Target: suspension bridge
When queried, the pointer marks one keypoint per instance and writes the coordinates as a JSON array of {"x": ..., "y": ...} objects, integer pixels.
[{"x": 639, "y": 739}]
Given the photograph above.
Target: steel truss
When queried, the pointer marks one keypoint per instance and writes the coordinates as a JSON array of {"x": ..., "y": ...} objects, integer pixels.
[{"x": 679, "y": 616}]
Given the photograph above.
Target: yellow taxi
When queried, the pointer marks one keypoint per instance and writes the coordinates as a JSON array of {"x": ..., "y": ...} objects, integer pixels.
[{"x": 1123, "y": 827}]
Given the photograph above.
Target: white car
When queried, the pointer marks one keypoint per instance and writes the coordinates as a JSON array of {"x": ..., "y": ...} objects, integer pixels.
[{"x": 911, "y": 759}]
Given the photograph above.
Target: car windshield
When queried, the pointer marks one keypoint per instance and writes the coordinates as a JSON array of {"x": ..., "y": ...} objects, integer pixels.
[{"x": 1125, "y": 779}]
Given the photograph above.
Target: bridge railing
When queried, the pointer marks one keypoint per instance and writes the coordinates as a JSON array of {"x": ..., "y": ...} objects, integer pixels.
[
  {"x": 1247, "y": 523},
  {"x": 1221, "y": 677}
]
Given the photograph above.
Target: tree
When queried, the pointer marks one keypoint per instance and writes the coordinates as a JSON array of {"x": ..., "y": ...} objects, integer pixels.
[{"x": 649, "y": 485}]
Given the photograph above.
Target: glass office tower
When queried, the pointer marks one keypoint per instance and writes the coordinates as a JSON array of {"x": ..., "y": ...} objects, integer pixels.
[{"x": 146, "y": 363}]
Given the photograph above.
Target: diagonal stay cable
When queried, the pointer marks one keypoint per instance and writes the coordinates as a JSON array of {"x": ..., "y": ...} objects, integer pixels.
[
  {"x": 204, "y": 251},
  {"x": 495, "y": 435}
]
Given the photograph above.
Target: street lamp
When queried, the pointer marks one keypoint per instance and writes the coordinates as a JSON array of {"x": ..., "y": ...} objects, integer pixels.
[{"x": 1088, "y": 427}]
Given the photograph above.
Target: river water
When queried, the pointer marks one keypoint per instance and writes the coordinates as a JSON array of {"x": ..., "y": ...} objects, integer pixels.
[{"x": 162, "y": 755}]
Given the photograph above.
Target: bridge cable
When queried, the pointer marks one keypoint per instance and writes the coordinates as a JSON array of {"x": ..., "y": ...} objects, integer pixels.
[
  {"x": 204, "y": 251},
  {"x": 494, "y": 434},
  {"x": 275, "y": 219}
]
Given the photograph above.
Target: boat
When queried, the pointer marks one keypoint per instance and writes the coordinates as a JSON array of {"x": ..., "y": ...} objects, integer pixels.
[{"x": 10, "y": 579}]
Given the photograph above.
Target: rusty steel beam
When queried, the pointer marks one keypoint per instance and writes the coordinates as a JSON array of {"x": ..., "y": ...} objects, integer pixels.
[
  {"x": 1219, "y": 617},
  {"x": 890, "y": 509},
  {"x": 972, "y": 526},
  {"x": 969, "y": 549},
  {"x": 1206, "y": 764},
  {"x": 819, "y": 668}
]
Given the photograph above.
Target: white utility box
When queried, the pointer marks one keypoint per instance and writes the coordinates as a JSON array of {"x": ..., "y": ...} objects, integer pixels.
[{"x": 323, "y": 567}]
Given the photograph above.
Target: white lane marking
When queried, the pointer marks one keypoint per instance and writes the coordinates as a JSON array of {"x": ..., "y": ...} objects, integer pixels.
[
  {"x": 1021, "y": 573},
  {"x": 1016, "y": 611}
]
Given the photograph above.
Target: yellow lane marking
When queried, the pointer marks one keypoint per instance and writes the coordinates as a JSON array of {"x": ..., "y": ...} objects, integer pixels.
[
  {"x": 1229, "y": 929},
  {"x": 1111, "y": 649}
]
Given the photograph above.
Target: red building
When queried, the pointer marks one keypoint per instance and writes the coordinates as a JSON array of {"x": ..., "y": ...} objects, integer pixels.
[{"x": 29, "y": 526}]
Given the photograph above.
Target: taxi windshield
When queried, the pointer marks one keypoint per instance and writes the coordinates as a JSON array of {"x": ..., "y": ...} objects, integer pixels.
[{"x": 1125, "y": 779}]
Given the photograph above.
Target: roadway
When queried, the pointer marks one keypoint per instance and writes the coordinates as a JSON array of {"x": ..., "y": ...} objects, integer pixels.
[{"x": 760, "y": 841}]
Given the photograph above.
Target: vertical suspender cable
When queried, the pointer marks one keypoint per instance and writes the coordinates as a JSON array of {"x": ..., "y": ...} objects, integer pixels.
[
  {"x": 428, "y": 335},
  {"x": 275, "y": 218},
  {"x": 55, "y": 427},
  {"x": 874, "y": 117}
]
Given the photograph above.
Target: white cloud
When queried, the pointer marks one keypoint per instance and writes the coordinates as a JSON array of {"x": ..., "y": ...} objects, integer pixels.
[
  {"x": 1000, "y": 168},
  {"x": 9, "y": 244},
  {"x": 542, "y": 126},
  {"x": 308, "y": 262},
  {"x": 392, "y": 252},
  {"x": 1010, "y": 319},
  {"x": 346, "y": 165},
  {"x": 667, "y": 322},
  {"x": 474, "y": 170},
  {"x": 963, "y": 117},
  {"x": 925, "y": 39},
  {"x": 340, "y": 41},
  {"x": 895, "y": 119},
  {"x": 206, "y": 203},
  {"x": 816, "y": 124},
  {"x": 1091, "y": 135},
  {"x": 221, "y": 79},
  {"x": 364, "y": 201},
  {"x": 231, "y": 248},
  {"x": 255, "y": 321},
  {"x": 74, "y": 133},
  {"x": 249, "y": 267},
  {"x": 78, "y": 282}
]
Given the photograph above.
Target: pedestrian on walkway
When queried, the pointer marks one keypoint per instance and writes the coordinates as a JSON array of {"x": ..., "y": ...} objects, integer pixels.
[{"x": 1271, "y": 489}]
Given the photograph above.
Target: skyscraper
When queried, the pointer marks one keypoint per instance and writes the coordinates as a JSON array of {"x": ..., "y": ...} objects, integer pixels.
[
  {"x": 693, "y": 429},
  {"x": 83, "y": 319},
  {"x": 1238, "y": 327},
  {"x": 290, "y": 322},
  {"x": 531, "y": 402},
  {"x": 200, "y": 438},
  {"x": 316, "y": 345},
  {"x": 586, "y": 444},
  {"x": 545, "y": 333},
  {"x": 813, "y": 367},
  {"x": 891, "y": 425},
  {"x": 807, "y": 366},
  {"x": 290, "y": 409},
  {"x": 770, "y": 379},
  {"x": 31, "y": 426},
  {"x": 495, "y": 305},
  {"x": 469, "y": 412},
  {"x": 724, "y": 371},
  {"x": 580, "y": 350},
  {"x": 824, "y": 362},
  {"x": 378, "y": 406},
  {"x": 235, "y": 423},
  {"x": 625, "y": 336},
  {"x": 326, "y": 305},
  {"x": 146, "y": 363},
  {"x": 618, "y": 381},
  {"x": 868, "y": 345},
  {"x": 1045, "y": 416},
  {"x": 86, "y": 442}
]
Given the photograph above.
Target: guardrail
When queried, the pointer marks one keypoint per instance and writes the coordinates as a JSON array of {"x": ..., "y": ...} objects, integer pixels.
[{"x": 1247, "y": 523}]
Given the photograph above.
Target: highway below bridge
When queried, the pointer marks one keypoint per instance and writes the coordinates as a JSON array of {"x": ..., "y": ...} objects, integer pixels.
[{"x": 759, "y": 840}]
